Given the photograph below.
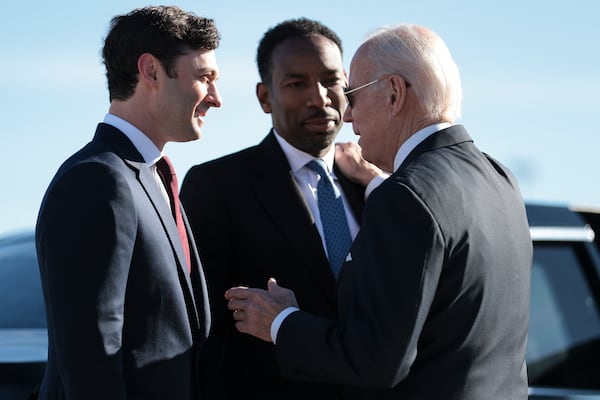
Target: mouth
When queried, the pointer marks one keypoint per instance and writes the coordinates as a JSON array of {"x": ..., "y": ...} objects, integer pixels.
[
  {"x": 199, "y": 114},
  {"x": 320, "y": 124}
]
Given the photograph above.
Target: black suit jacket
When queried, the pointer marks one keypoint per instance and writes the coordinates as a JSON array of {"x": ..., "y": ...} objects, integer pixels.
[
  {"x": 435, "y": 301},
  {"x": 125, "y": 318},
  {"x": 252, "y": 223}
]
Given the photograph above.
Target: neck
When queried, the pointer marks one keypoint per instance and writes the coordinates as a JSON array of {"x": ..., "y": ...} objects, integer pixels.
[{"x": 137, "y": 115}]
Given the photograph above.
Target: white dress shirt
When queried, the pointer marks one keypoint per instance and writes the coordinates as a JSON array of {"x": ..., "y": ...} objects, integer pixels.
[
  {"x": 150, "y": 153},
  {"x": 308, "y": 179},
  {"x": 413, "y": 141}
]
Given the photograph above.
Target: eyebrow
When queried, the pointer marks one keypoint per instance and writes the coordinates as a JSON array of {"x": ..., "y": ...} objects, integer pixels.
[
  {"x": 331, "y": 72},
  {"x": 208, "y": 71}
]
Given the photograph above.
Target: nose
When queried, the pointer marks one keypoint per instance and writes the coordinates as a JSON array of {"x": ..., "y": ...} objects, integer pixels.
[
  {"x": 347, "y": 117},
  {"x": 319, "y": 96},
  {"x": 213, "y": 96}
]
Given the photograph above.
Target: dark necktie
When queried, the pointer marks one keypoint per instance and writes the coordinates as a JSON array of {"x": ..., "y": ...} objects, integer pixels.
[
  {"x": 167, "y": 174},
  {"x": 333, "y": 217}
]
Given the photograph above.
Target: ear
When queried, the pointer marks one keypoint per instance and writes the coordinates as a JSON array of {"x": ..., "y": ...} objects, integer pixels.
[
  {"x": 264, "y": 97},
  {"x": 148, "y": 69},
  {"x": 398, "y": 93}
]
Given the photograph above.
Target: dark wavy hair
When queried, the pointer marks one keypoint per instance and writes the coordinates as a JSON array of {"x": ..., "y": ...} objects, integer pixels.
[
  {"x": 166, "y": 32},
  {"x": 289, "y": 29}
]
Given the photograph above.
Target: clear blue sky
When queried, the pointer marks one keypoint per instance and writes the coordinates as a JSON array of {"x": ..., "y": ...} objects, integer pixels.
[{"x": 530, "y": 73}]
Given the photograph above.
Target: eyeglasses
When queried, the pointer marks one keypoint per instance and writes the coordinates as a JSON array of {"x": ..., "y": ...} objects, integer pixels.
[{"x": 349, "y": 92}]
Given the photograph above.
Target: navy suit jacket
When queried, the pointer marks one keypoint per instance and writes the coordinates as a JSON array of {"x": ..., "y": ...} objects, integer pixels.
[
  {"x": 251, "y": 223},
  {"x": 125, "y": 318},
  {"x": 434, "y": 303}
]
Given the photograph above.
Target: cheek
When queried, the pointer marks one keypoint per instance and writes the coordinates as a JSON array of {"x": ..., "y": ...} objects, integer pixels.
[
  {"x": 338, "y": 102},
  {"x": 366, "y": 141},
  {"x": 369, "y": 149},
  {"x": 198, "y": 92},
  {"x": 202, "y": 94},
  {"x": 371, "y": 140}
]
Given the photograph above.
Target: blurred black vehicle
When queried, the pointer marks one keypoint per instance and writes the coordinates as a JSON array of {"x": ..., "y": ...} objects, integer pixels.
[
  {"x": 563, "y": 351},
  {"x": 23, "y": 336}
]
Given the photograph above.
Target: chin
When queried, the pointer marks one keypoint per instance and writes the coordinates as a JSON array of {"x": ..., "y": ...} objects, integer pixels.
[
  {"x": 370, "y": 157},
  {"x": 197, "y": 135},
  {"x": 194, "y": 135},
  {"x": 329, "y": 137},
  {"x": 196, "y": 132}
]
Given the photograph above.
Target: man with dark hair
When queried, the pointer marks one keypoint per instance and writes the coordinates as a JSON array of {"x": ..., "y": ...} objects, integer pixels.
[
  {"x": 288, "y": 29},
  {"x": 125, "y": 293},
  {"x": 256, "y": 213}
]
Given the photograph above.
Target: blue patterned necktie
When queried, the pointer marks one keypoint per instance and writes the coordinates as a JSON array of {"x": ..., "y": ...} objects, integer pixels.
[{"x": 333, "y": 217}]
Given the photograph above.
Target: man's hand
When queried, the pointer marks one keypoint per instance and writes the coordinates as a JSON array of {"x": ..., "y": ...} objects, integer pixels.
[
  {"x": 255, "y": 309},
  {"x": 348, "y": 157}
]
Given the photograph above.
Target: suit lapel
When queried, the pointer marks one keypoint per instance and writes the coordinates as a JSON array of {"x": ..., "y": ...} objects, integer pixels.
[
  {"x": 198, "y": 277},
  {"x": 126, "y": 150},
  {"x": 276, "y": 187},
  {"x": 163, "y": 210}
]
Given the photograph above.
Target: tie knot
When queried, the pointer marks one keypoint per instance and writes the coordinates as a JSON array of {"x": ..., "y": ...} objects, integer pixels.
[
  {"x": 165, "y": 168},
  {"x": 318, "y": 166}
]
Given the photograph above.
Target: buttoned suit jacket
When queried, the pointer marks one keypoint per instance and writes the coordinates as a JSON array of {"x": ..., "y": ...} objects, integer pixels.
[
  {"x": 434, "y": 303},
  {"x": 251, "y": 223},
  {"x": 126, "y": 320}
]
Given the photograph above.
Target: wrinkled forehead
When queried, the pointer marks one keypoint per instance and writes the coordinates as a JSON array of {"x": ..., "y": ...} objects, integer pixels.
[{"x": 361, "y": 67}]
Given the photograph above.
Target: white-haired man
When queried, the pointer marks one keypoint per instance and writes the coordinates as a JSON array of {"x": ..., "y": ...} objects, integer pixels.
[{"x": 433, "y": 299}]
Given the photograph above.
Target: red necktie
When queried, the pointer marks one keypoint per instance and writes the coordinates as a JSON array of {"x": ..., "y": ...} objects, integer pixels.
[{"x": 167, "y": 173}]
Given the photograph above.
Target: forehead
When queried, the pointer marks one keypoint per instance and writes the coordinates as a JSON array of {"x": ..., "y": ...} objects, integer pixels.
[
  {"x": 360, "y": 67},
  {"x": 305, "y": 54},
  {"x": 201, "y": 60}
]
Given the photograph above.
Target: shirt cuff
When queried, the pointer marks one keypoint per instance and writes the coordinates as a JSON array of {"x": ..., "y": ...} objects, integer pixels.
[
  {"x": 374, "y": 184},
  {"x": 276, "y": 324}
]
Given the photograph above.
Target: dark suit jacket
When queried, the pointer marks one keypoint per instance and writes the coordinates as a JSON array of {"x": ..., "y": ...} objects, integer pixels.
[
  {"x": 125, "y": 319},
  {"x": 252, "y": 223},
  {"x": 435, "y": 301}
]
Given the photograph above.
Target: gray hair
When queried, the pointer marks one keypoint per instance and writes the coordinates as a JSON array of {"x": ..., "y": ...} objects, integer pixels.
[{"x": 423, "y": 59}]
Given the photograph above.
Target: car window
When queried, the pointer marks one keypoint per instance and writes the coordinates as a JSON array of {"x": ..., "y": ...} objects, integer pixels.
[
  {"x": 563, "y": 349},
  {"x": 21, "y": 298}
]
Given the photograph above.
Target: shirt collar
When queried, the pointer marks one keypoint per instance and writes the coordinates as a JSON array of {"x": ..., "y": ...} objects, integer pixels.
[
  {"x": 298, "y": 158},
  {"x": 142, "y": 143},
  {"x": 413, "y": 141}
]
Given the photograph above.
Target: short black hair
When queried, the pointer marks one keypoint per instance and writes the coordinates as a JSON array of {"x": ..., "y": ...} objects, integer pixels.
[
  {"x": 166, "y": 32},
  {"x": 289, "y": 29}
]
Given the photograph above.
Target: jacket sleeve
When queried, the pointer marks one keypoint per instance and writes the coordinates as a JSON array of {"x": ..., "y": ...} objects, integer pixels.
[{"x": 85, "y": 236}]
